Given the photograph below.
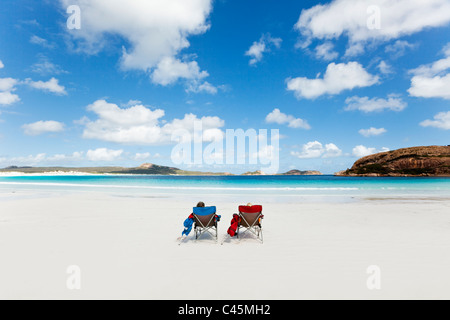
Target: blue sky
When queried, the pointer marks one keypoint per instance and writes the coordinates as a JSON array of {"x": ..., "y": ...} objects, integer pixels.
[{"x": 339, "y": 80}]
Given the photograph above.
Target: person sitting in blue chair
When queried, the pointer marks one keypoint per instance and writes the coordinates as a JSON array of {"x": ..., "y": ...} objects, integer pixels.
[{"x": 204, "y": 220}]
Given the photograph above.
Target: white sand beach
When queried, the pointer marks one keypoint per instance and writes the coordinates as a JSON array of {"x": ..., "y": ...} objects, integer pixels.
[{"x": 126, "y": 248}]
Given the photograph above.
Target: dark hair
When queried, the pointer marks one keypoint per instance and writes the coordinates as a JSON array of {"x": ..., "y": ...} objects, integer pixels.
[{"x": 200, "y": 205}]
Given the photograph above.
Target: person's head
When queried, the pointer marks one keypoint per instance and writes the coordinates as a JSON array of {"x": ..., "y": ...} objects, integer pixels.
[
  {"x": 200, "y": 205},
  {"x": 249, "y": 205}
]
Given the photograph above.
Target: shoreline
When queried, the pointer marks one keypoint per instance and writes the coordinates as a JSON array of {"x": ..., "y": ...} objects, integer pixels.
[{"x": 326, "y": 189}]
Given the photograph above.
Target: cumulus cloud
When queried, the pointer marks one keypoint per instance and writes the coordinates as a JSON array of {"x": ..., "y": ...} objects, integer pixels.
[
  {"x": 276, "y": 116},
  {"x": 41, "y": 127},
  {"x": 142, "y": 156},
  {"x": 7, "y": 87},
  {"x": 30, "y": 160},
  {"x": 430, "y": 87},
  {"x": 1, "y": 65},
  {"x": 367, "y": 105},
  {"x": 63, "y": 158},
  {"x": 51, "y": 86},
  {"x": 332, "y": 151},
  {"x": 156, "y": 31},
  {"x": 196, "y": 86},
  {"x": 315, "y": 149},
  {"x": 103, "y": 154},
  {"x": 363, "y": 151},
  {"x": 139, "y": 125},
  {"x": 7, "y": 98},
  {"x": 7, "y": 84},
  {"x": 99, "y": 155},
  {"x": 258, "y": 48},
  {"x": 384, "y": 67},
  {"x": 371, "y": 132},
  {"x": 337, "y": 78},
  {"x": 398, "y": 48},
  {"x": 353, "y": 18},
  {"x": 326, "y": 51},
  {"x": 169, "y": 70},
  {"x": 441, "y": 121},
  {"x": 432, "y": 80}
]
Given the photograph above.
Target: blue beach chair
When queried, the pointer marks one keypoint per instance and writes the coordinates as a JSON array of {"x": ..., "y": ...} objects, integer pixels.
[{"x": 205, "y": 221}]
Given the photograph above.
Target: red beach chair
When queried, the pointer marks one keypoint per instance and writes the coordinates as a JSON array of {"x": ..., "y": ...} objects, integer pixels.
[{"x": 250, "y": 220}]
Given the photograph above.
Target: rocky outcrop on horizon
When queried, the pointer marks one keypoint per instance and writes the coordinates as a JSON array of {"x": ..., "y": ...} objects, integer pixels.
[
  {"x": 303, "y": 173},
  {"x": 254, "y": 173},
  {"x": 416, "y": 161},
  {"x": 289, "y": 173}
]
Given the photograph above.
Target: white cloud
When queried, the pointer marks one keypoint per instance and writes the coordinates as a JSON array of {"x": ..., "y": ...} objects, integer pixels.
[
  {"x": 1, "y": 65},
  {"x": 384, "y": 67},
  {"x": 365, "y": 104},
  {"x": 198, "y": 87},
  {"x": 398, "y": 48},
  {"x": 45, "y": 67},
  {"x": 432, "y": 80},
  {"x": 354, "y": 49},
  {"x": 363, "y": 151},
  {"x": 96, "y": 155},
  {"x": 169, "y": 70},
  {"x": 351, "y": 18},
  {"x": 60, "y": 158},
  {"x": 41, "y": 127},
  {"x": 371, "y": 132},
  {"x": 276, "y": 116},
  {"x": 315, "y": 149},
  {"x": 435, "y": 67},
  {"x": 41, "y": 42},
  {"x": 326, "y": 51},
  {"x": 142, "y": 156},
  {"x": 258, "y": 48},
  {"x": 337, "y": 78},
  {"x": 156, "y": 31},
  {"x": 30, "y": 160},
  {"x": 7, "y": 98},
  {"x": 7, "y": 86},
  {"x": 332, "y": 151},
  {"x": 51, "y": 85},
  {"x": 441, "y": 121},
  {"x": 139, "y": 125},
  {"x": 434, "y": 87},
  {"x": 103, "y": 154},
  {"x": 256, "y": 51}
]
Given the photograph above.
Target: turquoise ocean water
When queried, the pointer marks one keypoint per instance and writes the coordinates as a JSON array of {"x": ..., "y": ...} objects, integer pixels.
[{"x": 323, "y": 186}]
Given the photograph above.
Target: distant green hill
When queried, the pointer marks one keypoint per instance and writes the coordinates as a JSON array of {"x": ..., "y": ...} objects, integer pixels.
[
  {"x": 147, "y": 168},
  {"x": 93, "y": 170}
]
